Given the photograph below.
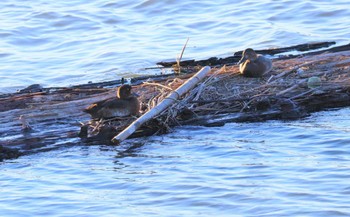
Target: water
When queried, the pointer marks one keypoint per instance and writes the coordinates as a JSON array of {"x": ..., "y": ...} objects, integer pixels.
[
  {"x": 298, "y": 168},
  {"x": 60, "y": 43}
]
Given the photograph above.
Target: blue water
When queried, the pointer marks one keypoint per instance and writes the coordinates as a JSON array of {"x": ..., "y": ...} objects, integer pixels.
[
  {"x": 298, "y": 168},
  {"x": 60, "y": 43}
]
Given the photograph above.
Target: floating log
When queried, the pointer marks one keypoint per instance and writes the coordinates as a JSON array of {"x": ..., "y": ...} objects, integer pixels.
[
  {"x": 53, "y": 115},
  {"x": 300, "y": 48},
  {"x": 213, "y": 61}
]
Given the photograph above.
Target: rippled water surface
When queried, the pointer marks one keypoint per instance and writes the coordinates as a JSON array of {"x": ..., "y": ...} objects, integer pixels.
[
  {"x": 58, "y": 43},
  {"x": 299, "y": 168}
]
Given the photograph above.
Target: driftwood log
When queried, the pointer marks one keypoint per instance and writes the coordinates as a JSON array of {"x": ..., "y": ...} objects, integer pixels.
[
  {"x": 40, "y": 121},
  {"x": 230, "y": 60}
]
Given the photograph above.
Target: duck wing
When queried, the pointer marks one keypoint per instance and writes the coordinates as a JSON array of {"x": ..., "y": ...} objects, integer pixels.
[
  {"x": 94, "y": 107},
  {"x": 265, "y": 63}
]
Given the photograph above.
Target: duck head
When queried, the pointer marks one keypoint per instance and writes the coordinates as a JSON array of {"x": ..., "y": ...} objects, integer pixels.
[
  {"x": 124, "y": 91},
  {"x": 248, "y": 54}
]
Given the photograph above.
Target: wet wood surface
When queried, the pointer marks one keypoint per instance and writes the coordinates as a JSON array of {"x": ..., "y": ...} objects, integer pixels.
[
  {"x": 54, "y": 115},
  {"x": 230, "y": 60}
]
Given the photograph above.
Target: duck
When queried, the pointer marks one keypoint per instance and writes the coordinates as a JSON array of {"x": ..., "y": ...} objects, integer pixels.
[
  {"x": 254, "y": 65},
  {"x": 125, "y": 104}
]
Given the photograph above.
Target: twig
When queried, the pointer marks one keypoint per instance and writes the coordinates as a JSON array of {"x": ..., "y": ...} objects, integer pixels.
[
  {"x": 291, "y": 88},
  {"x": 271, "y": 77},
  {"x": 157, "y": 84},
  {"x": 201, "y": 87},
  {"x": 285, "y": 73},
  {"x": 302, "y": 94},
  {"x": 252, "y": 99},
  {"x": 178, "y": 60}
]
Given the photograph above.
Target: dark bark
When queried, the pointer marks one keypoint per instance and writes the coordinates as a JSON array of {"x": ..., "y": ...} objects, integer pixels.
[{"x": 213, "y": 61}]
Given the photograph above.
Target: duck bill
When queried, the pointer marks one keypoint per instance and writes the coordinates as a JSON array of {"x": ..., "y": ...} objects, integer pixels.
[{"x": 135, "y": 94}]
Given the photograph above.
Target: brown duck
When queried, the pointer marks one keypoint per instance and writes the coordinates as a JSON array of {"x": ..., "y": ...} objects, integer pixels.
[
  {"x": 254, "y": 65},
  {"x": 125, "y": 104}
]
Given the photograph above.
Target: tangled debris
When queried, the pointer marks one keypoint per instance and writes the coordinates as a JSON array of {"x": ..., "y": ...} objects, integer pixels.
[{"x": 292, "y": 90}]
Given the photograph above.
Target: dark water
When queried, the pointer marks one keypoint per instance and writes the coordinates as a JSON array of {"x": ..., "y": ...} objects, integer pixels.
[
  {"x": 299, "y": 168},
  {"x": 58, "y": 43}
]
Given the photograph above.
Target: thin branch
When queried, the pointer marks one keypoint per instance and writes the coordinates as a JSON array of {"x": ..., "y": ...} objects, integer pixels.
[
  {"x": 178, "y": 60},
  {"x": 157, "y": 84}
]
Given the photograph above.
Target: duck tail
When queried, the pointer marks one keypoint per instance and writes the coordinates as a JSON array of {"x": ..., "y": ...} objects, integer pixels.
[{"x": 91, "y": 109}]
